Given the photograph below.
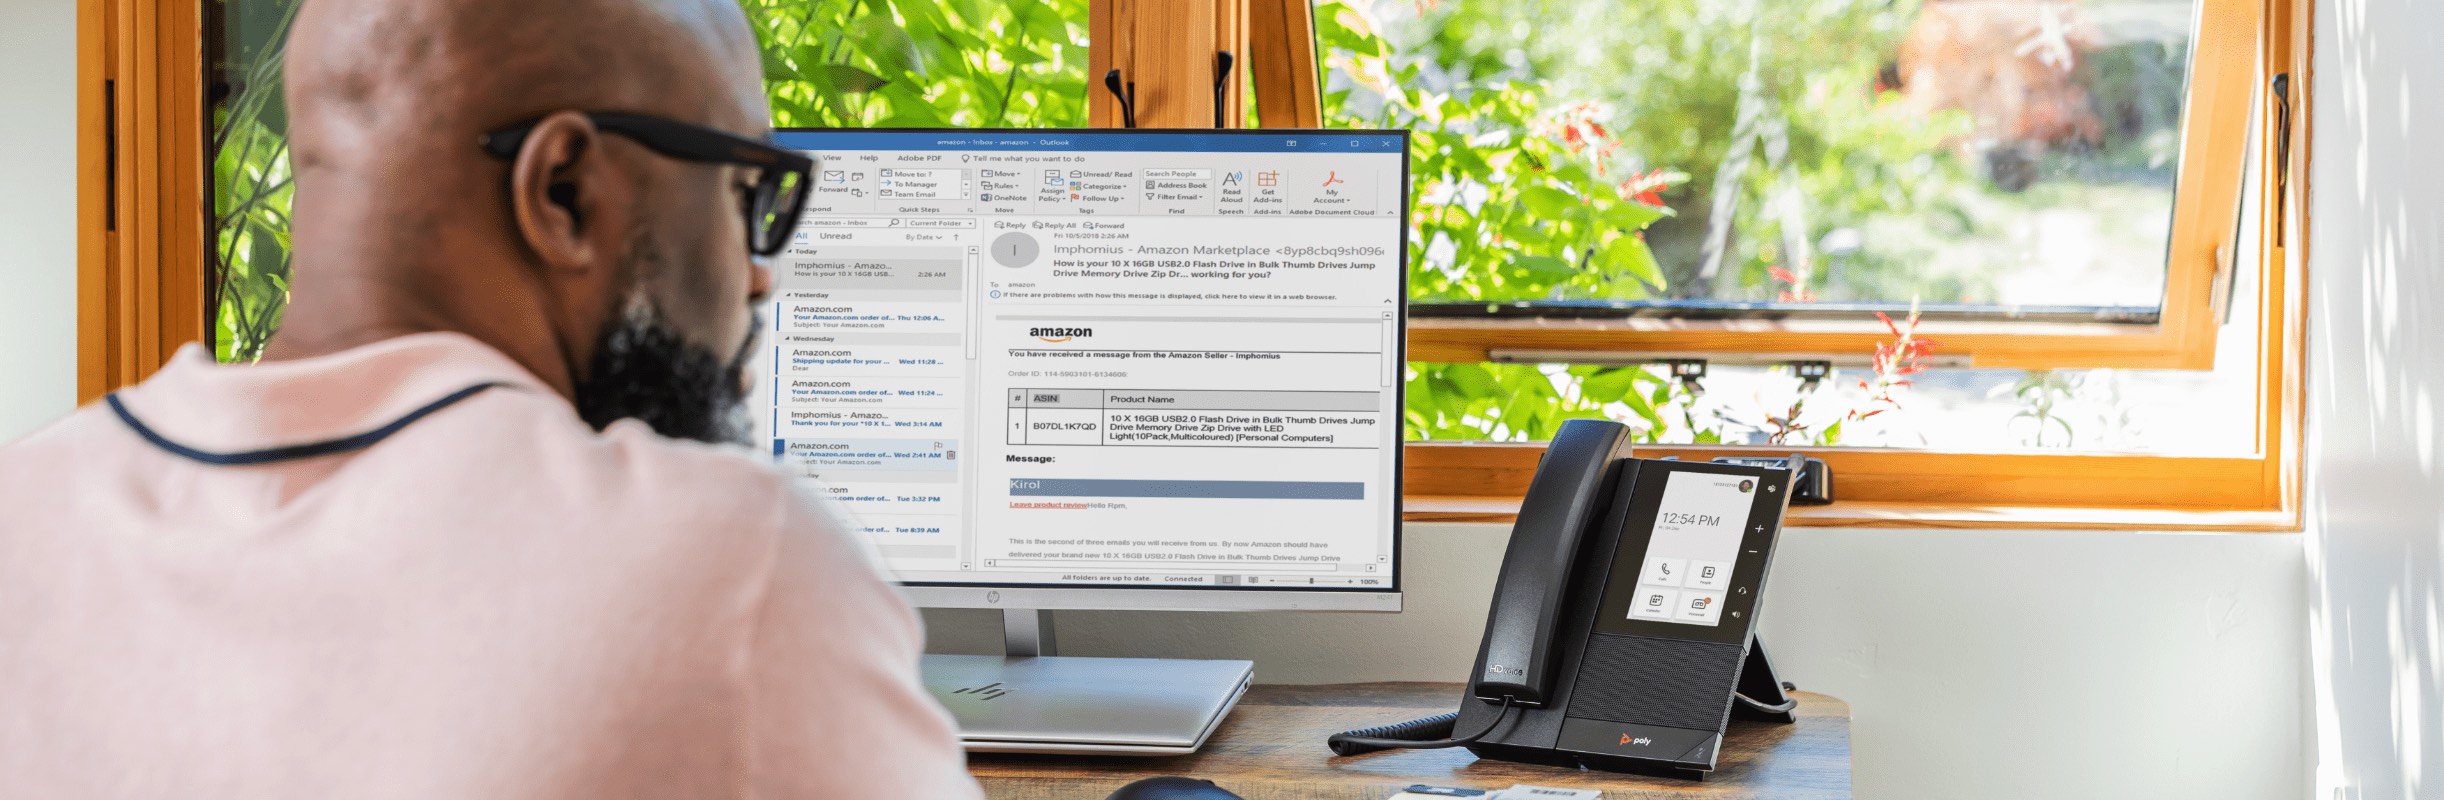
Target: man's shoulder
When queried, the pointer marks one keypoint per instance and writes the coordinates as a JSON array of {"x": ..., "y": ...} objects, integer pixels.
[
  {"x": 697, "y": 508},
  {"x": 627, "y": 469},
  {"x": 57, "y": 447}
]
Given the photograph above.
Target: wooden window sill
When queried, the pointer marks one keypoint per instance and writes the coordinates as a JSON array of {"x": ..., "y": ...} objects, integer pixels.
[
  {"x": 1877, "y": 514},
  {"x": 2027, "y": 345}
]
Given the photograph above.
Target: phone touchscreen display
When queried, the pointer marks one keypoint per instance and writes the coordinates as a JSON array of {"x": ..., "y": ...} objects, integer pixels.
[{"x": 1696, "y": 543}]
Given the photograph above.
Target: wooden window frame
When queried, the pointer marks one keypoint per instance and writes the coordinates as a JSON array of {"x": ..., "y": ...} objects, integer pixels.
[
  {"x": 1911, "y": 488},
  {"x": 144, "y": 204},
  {"x": 143, "y": 189}
]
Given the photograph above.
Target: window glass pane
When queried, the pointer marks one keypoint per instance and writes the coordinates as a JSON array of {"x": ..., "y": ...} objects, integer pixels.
[
  {"x": 1915, "y": 402},
  {"x": 976, "y": 63},
  {"x": 1962, "y": 153}
]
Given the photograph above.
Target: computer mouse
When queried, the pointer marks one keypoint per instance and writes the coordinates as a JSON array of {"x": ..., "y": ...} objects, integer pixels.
[{"x": 1172, "y": 787}]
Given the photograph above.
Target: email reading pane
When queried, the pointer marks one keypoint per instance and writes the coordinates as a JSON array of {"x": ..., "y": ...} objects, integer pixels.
[
  {"x": 1099, "y": 358},
  {"x": 1696, "y": 542}
]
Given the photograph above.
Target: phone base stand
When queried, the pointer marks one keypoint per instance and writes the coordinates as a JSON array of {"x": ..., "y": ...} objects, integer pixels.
[
  {"x": 1762, "y": 696},
  {"x": 1621, "y": 635}
]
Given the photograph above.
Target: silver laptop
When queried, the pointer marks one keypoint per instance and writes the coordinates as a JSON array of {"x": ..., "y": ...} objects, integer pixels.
[{"x": 1086, "y": 706}]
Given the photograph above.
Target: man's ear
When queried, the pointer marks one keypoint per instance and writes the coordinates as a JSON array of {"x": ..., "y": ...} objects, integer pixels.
[{"x": 549, "y": 185}]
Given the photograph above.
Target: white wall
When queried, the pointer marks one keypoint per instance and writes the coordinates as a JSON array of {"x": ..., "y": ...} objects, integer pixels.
[
  {"x": 37, "y": 213},
  {"x": 1988, "y": 664},
  {"x": 2376, "y": 376}
]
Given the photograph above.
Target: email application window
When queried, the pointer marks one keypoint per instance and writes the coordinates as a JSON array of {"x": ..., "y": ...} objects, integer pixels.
[
  {"x": 1696, "y": 543},
  {"x": 1099, "y": 358}
]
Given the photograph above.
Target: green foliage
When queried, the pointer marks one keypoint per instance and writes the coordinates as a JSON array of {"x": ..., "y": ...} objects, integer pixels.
[
  {"x": 858, "y": 63},
  {"x": 1514, "y": 199},
  {"x": 1547, "y": 152},
  {"x": 2043, "y": 394},
  {"x": 251, "y": 182},
  {"x": 1526, "y": 401},
  {"x": 923, "y": 63},
  {"x": 1775, "y": 110}
]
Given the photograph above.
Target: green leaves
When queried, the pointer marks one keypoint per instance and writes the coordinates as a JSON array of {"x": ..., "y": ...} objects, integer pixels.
[
  {"x": 1628, "y": 255},
  {"x": 1549, "y": 202},
  {"x": 1609, "y": 386},
  {"x": 1529, "y": 401},
  {"x": 879, "y": 38},
  {"x": 1547, "y": 267},
  {"x": 1633, "y": 216},
  {"x": 1513, "y": 202},
  {"x": 924, "y": 63},
  {"x": 1472, "y": 381},
  {"x": 845, "y": 78}
]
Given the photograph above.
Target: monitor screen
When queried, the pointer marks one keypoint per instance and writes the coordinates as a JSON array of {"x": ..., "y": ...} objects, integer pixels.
[{"x": 1067, "y": 358}]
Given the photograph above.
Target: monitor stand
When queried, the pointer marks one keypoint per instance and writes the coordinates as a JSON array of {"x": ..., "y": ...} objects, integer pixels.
[{"x": 1031, "y": 701}]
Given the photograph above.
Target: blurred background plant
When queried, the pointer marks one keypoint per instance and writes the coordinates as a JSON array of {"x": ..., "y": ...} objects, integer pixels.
[
  {"x": 2043, "y": 395},
  {"x": 923, "y": 63},
  {"x": 1993, "y": 152},
  {"x": 1523, "y": 196},
  {"x": 856, "y": 63},
  {"x": 1515, "y": 196},
  {"x": 1773, "y": 108}
]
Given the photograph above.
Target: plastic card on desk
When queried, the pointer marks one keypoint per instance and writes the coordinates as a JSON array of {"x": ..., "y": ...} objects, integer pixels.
[
  {"x": 1525, "y": 792},
  {"x": 1515, "y": 792}
]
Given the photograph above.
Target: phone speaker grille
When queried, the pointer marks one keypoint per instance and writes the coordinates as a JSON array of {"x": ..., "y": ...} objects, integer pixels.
[{"x": 1640, "y": 680}]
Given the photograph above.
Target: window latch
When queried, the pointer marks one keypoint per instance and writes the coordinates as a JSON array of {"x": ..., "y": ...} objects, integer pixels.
[{"x": 1128, "y": 99}]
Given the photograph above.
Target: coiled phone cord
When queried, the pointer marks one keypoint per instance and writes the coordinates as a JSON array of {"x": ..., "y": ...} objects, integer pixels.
[{"x": 1413, "y": 735}]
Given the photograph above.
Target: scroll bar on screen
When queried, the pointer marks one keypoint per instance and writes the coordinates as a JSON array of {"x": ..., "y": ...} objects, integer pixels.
[
  {"x": 1390, "y": 348},
  {"x": 974, "y": 303}
]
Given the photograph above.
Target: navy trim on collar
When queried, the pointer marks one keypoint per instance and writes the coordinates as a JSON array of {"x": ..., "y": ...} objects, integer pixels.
[{"x": 290, "y": 452}]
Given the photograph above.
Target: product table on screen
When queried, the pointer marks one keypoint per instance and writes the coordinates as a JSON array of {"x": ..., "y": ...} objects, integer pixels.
[{"x": 1099, "y": 359}]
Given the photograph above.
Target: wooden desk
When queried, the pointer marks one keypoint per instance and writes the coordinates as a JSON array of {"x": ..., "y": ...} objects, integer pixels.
[{"x": 1272, "y": 748}]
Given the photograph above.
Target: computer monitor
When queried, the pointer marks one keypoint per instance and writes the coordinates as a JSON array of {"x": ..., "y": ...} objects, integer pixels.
[{"x": 1108, "y": 369}]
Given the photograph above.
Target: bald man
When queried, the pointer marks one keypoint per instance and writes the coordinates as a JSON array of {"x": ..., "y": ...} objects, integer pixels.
[{"x": 468, "y": 531}]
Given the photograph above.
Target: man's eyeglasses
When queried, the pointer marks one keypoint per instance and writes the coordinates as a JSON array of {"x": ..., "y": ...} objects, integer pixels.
[{"x": 772, "y": 204}]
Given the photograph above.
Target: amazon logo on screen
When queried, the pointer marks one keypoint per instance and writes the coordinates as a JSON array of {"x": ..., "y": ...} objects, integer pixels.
[{"x": 1058, "y": 335}]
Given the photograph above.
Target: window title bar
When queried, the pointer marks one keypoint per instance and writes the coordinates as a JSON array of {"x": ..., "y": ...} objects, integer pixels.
[{"x": 1071, "y": 140}]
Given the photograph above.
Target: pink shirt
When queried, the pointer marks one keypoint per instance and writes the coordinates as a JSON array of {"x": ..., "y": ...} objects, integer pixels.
[{"x": 495, "y": 602}]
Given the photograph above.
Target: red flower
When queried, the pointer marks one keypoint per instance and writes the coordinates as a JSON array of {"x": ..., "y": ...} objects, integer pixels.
[
  {"x": 1577, "y": 129},
  {"x": 1798, "y": 292},
  {"x": 1647, "y": 188},
  {"x": 1892, "y": 362}
]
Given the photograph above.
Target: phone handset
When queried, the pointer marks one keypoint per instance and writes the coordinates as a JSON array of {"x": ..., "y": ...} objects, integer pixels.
[
  {"x": 1516, "y": 661},
  {"x": 1562, "y": 502}
]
